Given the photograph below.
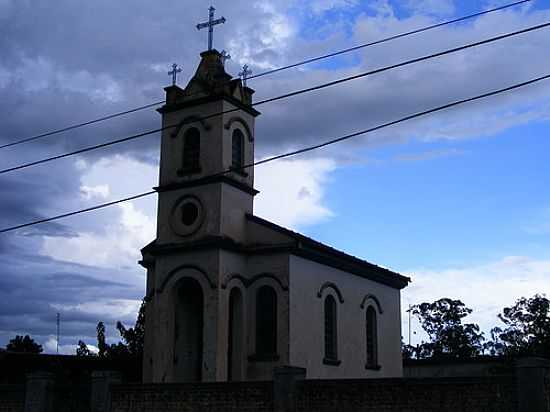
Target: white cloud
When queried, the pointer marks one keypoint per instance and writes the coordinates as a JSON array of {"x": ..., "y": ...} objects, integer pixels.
[
  {"x": 90, "y": 192},
  {"x": 291, "y": 191},
  {"x": 121, "y": 307},
  {"x": 116, "y": 246},
  {"x": 432, "y": 7},
  {"x": 116, "y": 242},
  {"x": 486, "y": 288},
  {"x": 320, "y": 6},
  {"x": 50, "y": 346}
]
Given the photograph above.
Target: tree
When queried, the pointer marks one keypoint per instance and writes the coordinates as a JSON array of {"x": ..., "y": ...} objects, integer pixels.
[
  {"x": 134, "y": 337},
  {"x": 83, "y": 350},
  {"x": 449, "y": 337},
  {"x": 24, "y": 344},
  {"x": 101, "y": 343},
  {"x": 132, "y": 345},
  {"x": 527, "y": 329}
]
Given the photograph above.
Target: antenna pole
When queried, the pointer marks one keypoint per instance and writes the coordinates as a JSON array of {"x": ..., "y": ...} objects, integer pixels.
[
  {"x": 409, "y": 324},
  {"x": 58, "y": 321}
]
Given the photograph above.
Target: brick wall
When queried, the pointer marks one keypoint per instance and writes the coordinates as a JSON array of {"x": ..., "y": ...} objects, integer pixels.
[
  {"x": 12, "y": 398},
  {"x": 495, "y": 394},
  {"x": 411, "y": 395},
  {"x": 203, "y": 397}
]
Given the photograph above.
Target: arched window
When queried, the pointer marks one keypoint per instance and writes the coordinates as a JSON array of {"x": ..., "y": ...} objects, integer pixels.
[
  {"x": 331, "y": 332},
  {"x": 237, "y": 146},
  {"x": 191, "y": 150},
  {"x": 372, "y": 339},
  {"x": 235, "y": 335},
  {"x": 266, "y": 322},
  {"x": 188, "y": 331}
]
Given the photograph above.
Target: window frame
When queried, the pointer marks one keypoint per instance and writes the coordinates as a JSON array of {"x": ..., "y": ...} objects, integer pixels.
[
  {"x": 371, "y": 335},
  {"x": 330, "y": 314},
  {"x": 237, "y": 136},
  {"x": 266, "y": 338},
  {"x": 191, "y": 156}
]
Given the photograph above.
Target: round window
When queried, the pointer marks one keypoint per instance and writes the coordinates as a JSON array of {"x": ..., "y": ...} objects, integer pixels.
[
  {"x": 187, "y": 216},
  {"x": 189, "y": 213}
]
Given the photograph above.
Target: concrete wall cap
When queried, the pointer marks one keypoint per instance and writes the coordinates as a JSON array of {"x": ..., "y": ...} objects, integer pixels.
[
  {"x": 289, "y": 370},
  {"x": 106, "y": 374},
  {"x": 40, "y": 375},
  {"x": 533, "y": 363}
]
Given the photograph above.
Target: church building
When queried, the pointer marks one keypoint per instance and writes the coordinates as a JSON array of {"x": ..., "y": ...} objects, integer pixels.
[{"x": 230, "y": 295}]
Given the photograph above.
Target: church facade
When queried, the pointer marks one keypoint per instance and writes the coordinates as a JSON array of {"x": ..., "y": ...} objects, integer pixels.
[{"x": 230, "y": 295}]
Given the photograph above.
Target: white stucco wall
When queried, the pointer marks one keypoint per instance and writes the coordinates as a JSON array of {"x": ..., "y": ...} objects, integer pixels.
[{"x": 307, "y": 322}]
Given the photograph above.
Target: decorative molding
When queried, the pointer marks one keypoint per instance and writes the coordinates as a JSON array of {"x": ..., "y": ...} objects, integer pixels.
[
  {"x": 232, "y": 276},
  {"x": 208, "y": 180},
  {"x": 269, "y": 357},
  {"x": 183, "y": 267},
  {"x": 243, "y": 123},
  {"x": 248, "y": 282},
  {"x": 190, "y": 120},
  {"x": 331, "y": 362},
  {"x": 333, "y": 286},
  {"x": 174, "y": 107},
  {"x": 374, "y": 299}
]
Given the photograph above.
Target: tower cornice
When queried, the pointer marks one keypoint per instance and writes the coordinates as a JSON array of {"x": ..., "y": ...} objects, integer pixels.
[
  {"x": 174, "y": 107},
  {"x": 205, "y": 181}
]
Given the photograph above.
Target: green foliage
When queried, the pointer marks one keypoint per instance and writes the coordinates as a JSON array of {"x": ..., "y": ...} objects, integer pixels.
[
  {"x": 83, "y": 350},
  {"x": 449, "y": 337},
  {"x": 24, "y": 344},
  {"x": 131, "y": 347},
  {"x": 526, "y": 331},
  {"x": 134, "y": 337}
]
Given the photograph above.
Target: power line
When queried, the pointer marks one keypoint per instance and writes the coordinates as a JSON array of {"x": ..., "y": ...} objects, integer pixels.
[
  {"x": 284, "y": 96},
  {"x": 272, "y": 71},
  {"x": 296, "y": 152},
  {"x": 387, "y": 39},
  {"x": 78, "y": 125}
]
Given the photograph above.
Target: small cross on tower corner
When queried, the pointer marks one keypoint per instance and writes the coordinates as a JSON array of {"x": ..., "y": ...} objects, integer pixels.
[
  {"x": 174, "y": 73},
  {"x": 224, "y": 56},
  {"x": 245, "y": 74}
]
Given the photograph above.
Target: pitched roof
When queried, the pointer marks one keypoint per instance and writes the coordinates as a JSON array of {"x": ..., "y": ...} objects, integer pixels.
[{"x": 313, "y": 250}]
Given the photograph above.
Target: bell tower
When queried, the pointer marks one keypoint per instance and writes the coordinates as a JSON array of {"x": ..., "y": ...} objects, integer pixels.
[
  {"x": 208, "y": 137},
  {"x": 204, "y": 196}
]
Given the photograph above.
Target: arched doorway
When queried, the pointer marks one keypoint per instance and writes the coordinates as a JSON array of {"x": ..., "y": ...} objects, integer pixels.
[
  {"x": 188, "y": 332},
  {"x": 235, "y": 345}
]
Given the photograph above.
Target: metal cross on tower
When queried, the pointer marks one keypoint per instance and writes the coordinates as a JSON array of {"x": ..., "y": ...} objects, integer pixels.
[
  {"x": 210, "y": 24},
  {"x": 245, "y": 73},
  {"x": 225, "y": 56},
  {"x": 174, "y": 73}
]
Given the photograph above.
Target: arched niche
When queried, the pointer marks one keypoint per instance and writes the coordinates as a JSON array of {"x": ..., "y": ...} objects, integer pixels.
[
  {"x": 188, "y": 346},
  {"x": 190, "y": 121},
  {"x": 370, "y": 299},
  {"x": 330, "y": 285},
  {"x": 243, "y": 123},
  {"x": 247, "y": 282},
  {"x": 186, "y": 271}
]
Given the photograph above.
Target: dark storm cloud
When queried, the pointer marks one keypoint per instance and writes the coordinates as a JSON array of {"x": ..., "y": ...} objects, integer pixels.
[{"x": 30, "y": 296}]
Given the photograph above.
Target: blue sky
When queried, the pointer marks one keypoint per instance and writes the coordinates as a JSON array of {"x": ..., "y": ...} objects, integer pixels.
[
  {"x": 438, "y": 204},
  {"x": 458, "y": 201}
]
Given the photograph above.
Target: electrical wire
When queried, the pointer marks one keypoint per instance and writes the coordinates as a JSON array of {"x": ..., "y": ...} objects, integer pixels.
[
  {"x": 283, "y": 96},
  {"x": 294, "y": 153},
  {"x": 276, "y": 70}
]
